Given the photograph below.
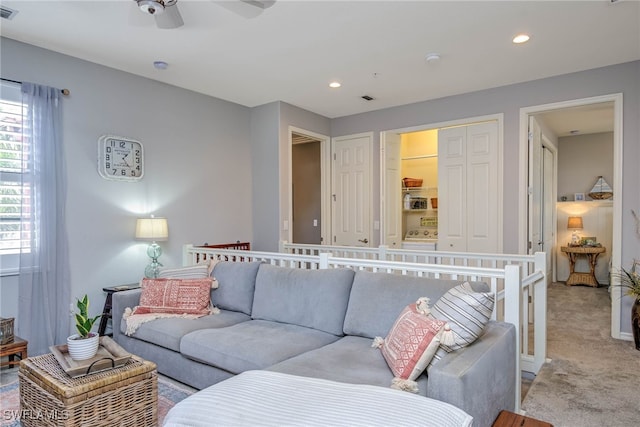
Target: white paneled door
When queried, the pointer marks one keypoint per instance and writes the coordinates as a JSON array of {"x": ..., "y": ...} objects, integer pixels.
[
  {"x": 352, "y": 190},
  {"x": 391, "y": 197},
  {"x": 469, "y": 189}
]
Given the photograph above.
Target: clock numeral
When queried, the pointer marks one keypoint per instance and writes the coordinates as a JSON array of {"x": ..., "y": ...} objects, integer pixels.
[
  {"x": 108, "y": 165},
  {"x": 113, "y": 143},
  {"x": 122, "y": 144},
  {"x": 107, "y": 157},
  {"x": 114, "y": 171},
  {"x": 138, "y": 167},
  {"x": 137, "y": 159},
  {"x": 133, "y": 173},
  {"x": 123, "y": 172},
  {"x": 108, "y": 149},
  {"x": 137, "y": 152}
]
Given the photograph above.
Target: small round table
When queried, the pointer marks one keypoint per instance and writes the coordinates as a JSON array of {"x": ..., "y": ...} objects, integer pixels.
[{"x": 582, "y": 278}]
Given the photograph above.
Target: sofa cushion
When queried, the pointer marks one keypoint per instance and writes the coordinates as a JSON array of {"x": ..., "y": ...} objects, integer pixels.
[
  {"x": 168, "y": 332},
  {"x": 255, "y": 344},
  {"x": 351, "y": 359},
  {"x": 313, "y": 298},
  {"x": 411, "y": 343},
  {"x": 377, "y": 298},
  {"x": 236, "y": 284}
]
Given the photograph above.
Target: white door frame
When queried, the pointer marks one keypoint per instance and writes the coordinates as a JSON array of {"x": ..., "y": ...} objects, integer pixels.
[
  {"x": 616, "y": 250},
  {"x": 325, "y": 179},
  {"x": 499, "y": 118}
]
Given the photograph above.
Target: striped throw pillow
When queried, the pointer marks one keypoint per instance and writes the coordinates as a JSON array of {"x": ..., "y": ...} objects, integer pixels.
[{"x": 467, "y": 313}]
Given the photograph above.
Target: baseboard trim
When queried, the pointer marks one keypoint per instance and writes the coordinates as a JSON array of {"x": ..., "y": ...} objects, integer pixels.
[{"x": 626, "y": 336}]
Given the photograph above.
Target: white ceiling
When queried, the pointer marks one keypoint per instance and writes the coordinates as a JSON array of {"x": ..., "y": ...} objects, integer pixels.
[{"x": 292, "y": 50}]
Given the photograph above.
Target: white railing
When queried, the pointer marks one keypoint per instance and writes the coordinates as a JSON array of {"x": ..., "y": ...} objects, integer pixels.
[{"x": 505, "y": 274}]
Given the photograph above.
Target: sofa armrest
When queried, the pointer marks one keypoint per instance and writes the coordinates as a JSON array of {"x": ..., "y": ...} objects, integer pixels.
[
  {"x": 120, "y": 301},
  {"x": 479, "y": 379}
]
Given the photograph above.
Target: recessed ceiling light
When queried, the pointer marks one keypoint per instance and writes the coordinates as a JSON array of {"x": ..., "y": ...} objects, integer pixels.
[
  {"x": 160, "y": 65},
  {"x": 521, "y": 38},
  {"x": 335, "y": 85}
]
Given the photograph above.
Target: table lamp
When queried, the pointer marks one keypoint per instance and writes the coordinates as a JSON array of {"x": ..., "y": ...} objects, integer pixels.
[
  {"x": 156, "y": 230},
  {"x": 575, "y": 223}
]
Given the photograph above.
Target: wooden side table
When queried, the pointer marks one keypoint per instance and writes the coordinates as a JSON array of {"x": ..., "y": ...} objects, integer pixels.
[
  {"x": 108, "y": 304},
  {"x": 583, "y": 278},
  {"x": 18, "y": 347},
  {"x": 509, "y": 419}
]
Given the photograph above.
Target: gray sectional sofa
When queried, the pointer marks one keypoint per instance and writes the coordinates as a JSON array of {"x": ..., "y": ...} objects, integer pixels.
[{"x": 319, "y": 323}]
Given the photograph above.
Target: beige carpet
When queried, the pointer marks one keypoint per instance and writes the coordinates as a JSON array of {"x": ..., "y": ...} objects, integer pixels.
[{"x": 592, "y": 379}]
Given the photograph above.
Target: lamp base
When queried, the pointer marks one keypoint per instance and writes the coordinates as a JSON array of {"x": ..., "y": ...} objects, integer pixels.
[
  {"x": 575, "y": 238},
  {"x": 154, "y": 251}
]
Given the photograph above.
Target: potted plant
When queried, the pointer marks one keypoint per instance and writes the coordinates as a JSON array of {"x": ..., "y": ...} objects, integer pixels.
[
  {"x": 630, "y": 281},
  {"x": 84, "y": 344}
]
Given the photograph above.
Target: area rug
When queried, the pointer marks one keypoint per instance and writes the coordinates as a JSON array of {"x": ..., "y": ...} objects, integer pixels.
[{"x": 168, "y": 395}]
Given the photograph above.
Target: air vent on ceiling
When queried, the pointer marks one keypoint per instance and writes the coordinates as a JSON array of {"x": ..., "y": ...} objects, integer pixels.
[
  {"x": 367, "y": 97},
  {"x": 7, "y": 13}
]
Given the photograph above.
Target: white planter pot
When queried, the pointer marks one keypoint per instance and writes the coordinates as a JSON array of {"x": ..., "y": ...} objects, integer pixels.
[{"x": 85, "y": 348}]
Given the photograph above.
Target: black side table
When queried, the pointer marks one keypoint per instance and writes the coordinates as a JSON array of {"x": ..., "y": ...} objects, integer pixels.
[{"x": 106, "y": 310}]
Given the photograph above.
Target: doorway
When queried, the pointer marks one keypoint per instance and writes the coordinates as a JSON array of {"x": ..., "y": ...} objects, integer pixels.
[
  {"x": 309, "y": 180},
  {"x": 566, "y": 122}
]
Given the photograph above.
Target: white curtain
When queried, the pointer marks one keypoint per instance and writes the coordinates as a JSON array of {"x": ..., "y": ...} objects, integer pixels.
[{"x": 44, "y": 289}]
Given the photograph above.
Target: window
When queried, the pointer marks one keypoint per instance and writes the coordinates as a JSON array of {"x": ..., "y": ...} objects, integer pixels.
[{"x": 14, "y": 197}]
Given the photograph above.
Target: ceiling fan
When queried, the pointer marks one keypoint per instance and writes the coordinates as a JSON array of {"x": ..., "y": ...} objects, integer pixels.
[{"x": 168, "y": 16}]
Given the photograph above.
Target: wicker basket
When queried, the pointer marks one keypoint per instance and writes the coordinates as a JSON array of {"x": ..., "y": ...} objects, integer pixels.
[
  {"x": 412, "y": 182},
  {"x": 6, "y": 330},
  {"x": 125, "y": 396}
]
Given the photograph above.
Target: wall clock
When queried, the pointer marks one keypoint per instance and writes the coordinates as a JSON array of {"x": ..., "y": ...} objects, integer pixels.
[{"x": 120, "y": 158}]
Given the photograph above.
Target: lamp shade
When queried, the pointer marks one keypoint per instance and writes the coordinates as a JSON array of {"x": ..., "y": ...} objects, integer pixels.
[
  {"x": 155, "y": 229},
  {"x": 574, "y": 222}
]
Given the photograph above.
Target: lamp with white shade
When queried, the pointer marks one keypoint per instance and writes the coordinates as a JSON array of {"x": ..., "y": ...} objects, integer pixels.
[{"x": 155, "y": 230}]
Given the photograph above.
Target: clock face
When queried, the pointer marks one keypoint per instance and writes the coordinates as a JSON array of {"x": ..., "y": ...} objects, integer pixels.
[{"x": 120, "y": 158}]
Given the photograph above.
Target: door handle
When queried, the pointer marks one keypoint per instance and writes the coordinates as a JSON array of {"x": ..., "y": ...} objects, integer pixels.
[{"x": 365, "y": 240}]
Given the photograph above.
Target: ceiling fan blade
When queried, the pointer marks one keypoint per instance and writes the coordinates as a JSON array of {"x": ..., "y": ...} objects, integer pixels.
[
  {"x": 171, "y": 18},
  {"x": 246, "y": 8},
  {"x": 262, "y": 4}
]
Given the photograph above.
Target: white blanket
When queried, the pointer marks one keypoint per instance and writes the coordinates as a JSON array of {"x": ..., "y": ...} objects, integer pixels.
[{"x": 263, "y": 398}]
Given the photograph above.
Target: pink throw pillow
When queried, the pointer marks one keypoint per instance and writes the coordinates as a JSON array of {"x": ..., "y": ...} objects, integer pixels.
[
  {"x": 411, "y": 343},
  {"x": 175, "y": 296}
]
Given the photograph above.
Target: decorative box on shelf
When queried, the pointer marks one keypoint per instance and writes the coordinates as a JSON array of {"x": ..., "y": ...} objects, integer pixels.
[{"x": 6, "y": 330}]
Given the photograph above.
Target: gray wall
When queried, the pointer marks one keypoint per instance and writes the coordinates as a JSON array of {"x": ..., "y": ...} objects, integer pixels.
[
  {"x": 198, "y": 167},
  {"x": 271, "y": 165},
  {"x": 265, "y": 140},
  {"x": 622, "y": 78},
  {"x": 581, "y": 160}
]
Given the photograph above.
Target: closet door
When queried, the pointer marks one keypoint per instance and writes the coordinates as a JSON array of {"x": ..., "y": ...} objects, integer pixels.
[
  {"x": 482, "y": 187},
  {"x": 452, "y": 180},
  {"x": 468, "y": 190}
]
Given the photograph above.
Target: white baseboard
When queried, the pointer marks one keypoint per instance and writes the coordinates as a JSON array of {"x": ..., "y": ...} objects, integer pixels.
[{"x": 626, "y": 336}]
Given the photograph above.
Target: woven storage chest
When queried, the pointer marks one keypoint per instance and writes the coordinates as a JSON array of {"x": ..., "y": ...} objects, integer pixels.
[{"x": 124, "y": 396}]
